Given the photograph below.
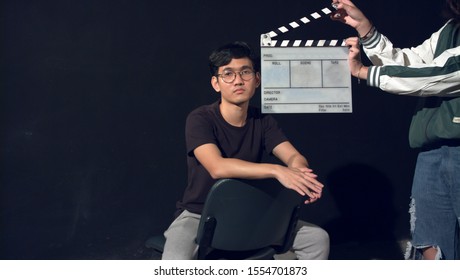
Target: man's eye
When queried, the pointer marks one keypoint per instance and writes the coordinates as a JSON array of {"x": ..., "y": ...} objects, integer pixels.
[
  {"x": 228, "y": 74},
  {"x": 246, "y": 72}
]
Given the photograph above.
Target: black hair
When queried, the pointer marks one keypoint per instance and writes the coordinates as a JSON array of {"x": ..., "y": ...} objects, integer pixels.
[
  {"x": 224, "y": 55},
  {"x": 452, "y": 10}
]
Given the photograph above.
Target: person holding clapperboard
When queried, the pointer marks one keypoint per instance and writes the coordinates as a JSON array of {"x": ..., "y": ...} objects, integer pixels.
[{"x": 430, "y": 70}]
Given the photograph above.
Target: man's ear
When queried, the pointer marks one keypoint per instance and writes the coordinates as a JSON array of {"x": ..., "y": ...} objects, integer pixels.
[
  {"x": 215, "y": 84},
  {"x": 257, "y": 79}
]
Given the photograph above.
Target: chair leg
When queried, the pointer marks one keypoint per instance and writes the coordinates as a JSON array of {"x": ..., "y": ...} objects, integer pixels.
[{"x": 205, "y": 238}]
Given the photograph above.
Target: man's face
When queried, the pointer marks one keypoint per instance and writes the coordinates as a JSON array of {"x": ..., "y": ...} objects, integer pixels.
[{"x": 240, "y": 89}]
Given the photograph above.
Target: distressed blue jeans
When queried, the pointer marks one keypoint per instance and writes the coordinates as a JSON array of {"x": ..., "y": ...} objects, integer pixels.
[{"x": 435, "y": 204}]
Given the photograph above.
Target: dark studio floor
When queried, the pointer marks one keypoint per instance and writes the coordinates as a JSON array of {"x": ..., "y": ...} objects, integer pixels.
[
  {"x": 124, "y": 247},
  {"x": 126, "y": 241},
  {"x": 384, "y": 250}
]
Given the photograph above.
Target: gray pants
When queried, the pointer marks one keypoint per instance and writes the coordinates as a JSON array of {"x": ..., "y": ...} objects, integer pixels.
[{"x": 310, "y": 243}]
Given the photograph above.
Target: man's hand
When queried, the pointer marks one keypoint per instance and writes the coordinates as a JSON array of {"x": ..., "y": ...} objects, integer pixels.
[{"x": 301, "y": 180}]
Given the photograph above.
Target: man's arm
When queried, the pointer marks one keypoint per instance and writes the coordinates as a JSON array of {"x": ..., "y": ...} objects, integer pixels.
[
  {"x": 290, "y": 156},
  {"x": 295, "y": 161},
  {"x": 298, "y": 177}
]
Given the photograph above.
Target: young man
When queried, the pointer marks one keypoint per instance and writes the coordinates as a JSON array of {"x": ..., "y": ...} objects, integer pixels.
[{"x": 227, "y": 139}]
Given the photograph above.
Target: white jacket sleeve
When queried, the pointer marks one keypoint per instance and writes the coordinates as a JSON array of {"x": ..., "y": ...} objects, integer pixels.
[{"x": 413, "y": 71}]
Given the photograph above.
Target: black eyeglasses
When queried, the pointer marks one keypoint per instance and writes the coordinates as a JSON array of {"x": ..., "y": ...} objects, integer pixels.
[{"x": 230, "y": 76}]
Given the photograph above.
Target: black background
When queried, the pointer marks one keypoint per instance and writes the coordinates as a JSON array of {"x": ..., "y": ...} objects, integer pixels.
[{"x": 94, "y": 95}]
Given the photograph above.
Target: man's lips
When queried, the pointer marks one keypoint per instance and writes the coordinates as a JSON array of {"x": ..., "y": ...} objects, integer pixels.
[{"x": 239, "y": 90}]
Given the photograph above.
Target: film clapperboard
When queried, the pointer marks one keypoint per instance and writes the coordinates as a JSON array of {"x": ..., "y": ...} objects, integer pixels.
[{"x": 305, "y": 76}]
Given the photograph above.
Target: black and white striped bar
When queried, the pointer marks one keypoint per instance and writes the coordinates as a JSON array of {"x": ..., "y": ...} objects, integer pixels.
[
  {"x": 295, "y": 24},
  {"x": 267, "y": 42}
]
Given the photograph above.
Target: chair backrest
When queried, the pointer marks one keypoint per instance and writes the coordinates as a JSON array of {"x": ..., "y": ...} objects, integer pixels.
[{"x": 248, "y": 215}]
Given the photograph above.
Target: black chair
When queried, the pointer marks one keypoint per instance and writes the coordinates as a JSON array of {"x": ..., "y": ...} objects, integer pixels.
[{"x": 245, "y": 219}]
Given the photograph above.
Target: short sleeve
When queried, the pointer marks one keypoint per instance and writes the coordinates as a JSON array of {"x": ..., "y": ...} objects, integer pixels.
[{"x": 198, "y": 130}]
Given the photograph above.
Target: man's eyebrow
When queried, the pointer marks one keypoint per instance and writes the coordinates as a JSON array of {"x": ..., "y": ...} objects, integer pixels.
[{"x": 244, "y": 67}]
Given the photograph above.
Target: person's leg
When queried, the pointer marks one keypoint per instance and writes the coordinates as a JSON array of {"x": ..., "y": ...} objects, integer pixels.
[
  {"x": 180, "y": 237},
  {"x": 433, "y": 222},
  {"x": 452, "y": 164},
  {"x": 311, "y": 242}
]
